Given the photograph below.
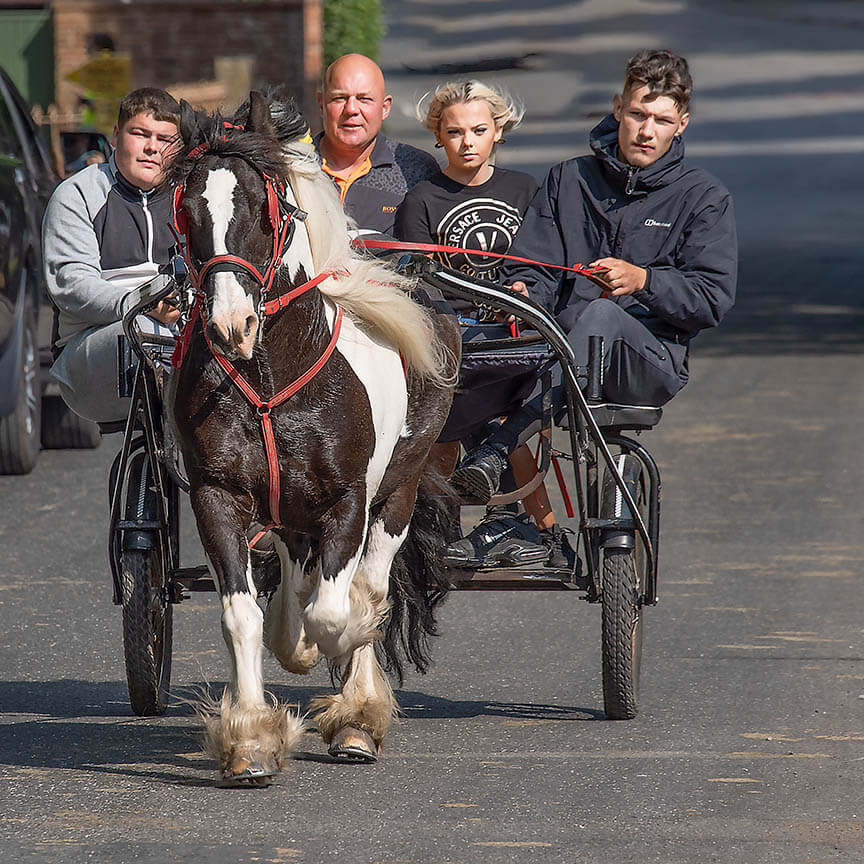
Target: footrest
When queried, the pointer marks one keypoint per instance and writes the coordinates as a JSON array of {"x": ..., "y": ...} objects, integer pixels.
[
  {"x": 193, "y": 578},
  {"x": 516, "y": 579}
]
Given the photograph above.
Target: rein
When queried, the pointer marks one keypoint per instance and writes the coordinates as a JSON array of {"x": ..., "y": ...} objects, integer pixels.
[
  {"x": 404, "y": 246},
  {"x": 282, "y": 216},
  {"x": 592, "y": 273}
]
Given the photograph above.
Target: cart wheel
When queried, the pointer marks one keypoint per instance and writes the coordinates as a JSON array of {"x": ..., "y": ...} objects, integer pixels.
[
  {"x": 63, "y": 429},
  {"x": 147, "y": 614},
  {"x": 623, "y": 574}
]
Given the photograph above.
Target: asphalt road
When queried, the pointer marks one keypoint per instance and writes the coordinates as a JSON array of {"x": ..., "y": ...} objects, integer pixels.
[{"x": 748, "y": 747}]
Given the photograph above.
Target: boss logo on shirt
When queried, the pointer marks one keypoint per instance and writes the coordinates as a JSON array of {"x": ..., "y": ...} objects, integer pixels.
[{"x": 653, "y": 223}]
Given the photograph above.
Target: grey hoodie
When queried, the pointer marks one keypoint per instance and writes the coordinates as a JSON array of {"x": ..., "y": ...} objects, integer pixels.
[{"x": 101, "y": 237}]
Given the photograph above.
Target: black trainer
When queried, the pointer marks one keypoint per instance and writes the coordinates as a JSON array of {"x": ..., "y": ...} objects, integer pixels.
[
  {"x": 561, "y": 553},
  {"x": 478, "y": 477},
  {"x": 501, "y": 539}
]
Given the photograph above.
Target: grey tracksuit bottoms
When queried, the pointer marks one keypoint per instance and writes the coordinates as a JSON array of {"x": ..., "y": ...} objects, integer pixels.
[
  {"x": 638, "y": 369},
  {"x": 88, "y": 373}
]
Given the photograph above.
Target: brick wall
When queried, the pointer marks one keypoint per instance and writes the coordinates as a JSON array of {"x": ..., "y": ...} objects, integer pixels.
[{"x": 171, "y": 41}]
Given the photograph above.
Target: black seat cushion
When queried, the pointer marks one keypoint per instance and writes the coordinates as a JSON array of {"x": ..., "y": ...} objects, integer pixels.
[{"x": 611, "y": 416}]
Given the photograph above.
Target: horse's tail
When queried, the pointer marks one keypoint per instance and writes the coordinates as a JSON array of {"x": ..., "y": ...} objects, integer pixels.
[{"x": 418, "y": 579}]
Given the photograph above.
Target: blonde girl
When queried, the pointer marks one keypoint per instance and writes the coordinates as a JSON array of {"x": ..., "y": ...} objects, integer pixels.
[{"x": 475, "y": 204}]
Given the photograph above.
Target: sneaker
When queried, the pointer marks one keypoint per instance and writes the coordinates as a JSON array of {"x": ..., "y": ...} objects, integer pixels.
[
  {"x": 501, "y": 539},
  {"x": 561, "y": 553},
  {"x": 478, "y": 477}
]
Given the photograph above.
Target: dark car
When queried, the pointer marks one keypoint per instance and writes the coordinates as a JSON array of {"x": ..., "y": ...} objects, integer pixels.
[{"x": 31, "y": 415}]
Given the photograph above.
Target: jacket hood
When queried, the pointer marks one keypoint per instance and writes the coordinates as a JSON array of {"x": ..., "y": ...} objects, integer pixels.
[{"x": 604, "y": 143}]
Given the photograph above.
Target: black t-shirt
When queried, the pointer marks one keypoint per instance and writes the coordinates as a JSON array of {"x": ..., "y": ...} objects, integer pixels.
[{"x": 485, "y": 217}]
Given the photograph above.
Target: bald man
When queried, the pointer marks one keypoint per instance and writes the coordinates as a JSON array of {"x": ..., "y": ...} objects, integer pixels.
[{"x": 372, "y": 172}]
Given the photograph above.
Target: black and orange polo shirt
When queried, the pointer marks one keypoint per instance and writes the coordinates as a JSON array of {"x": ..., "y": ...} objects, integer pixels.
[{"x": 373, "y": 193}]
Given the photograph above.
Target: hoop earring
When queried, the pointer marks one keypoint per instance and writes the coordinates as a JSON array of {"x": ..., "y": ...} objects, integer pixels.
[{"x": 438, "y": 145}]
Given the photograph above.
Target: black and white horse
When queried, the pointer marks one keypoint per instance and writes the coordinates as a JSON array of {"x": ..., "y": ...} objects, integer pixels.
[{"x": 333, "y": 468}]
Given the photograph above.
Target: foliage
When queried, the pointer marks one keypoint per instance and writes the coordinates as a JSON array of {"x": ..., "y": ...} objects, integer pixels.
[{"x": 351, "y": 26}]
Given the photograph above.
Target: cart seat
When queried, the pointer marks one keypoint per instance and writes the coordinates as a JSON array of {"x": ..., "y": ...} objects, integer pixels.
[
  {"x": 109, "y": 427},
  {"x": 532, "y": 347},
  {"x": 609, "y": 415}
]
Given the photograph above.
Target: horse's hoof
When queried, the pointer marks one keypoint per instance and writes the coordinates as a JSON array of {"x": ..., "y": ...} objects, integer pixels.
[
  {"x": 350, "y": 744},
  {"x": 244, "y": 772}
]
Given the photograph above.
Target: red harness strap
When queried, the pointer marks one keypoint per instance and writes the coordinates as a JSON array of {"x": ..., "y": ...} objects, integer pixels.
[
  {"x": 182, "y": 346},
  {"x": 271, "y": 307},
  {"x": 264, "y": 408},
  {"x": 281, "y": 223}
]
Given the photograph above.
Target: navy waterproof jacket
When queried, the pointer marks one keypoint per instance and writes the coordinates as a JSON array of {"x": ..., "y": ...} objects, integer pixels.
[{"x": 670, "y": 218}]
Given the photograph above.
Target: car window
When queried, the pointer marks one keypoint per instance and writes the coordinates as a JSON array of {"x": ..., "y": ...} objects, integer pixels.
[{"x": 32, "y": 141}]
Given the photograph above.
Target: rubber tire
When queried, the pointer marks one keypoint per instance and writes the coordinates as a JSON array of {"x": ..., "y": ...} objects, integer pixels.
[
  {"x": 622, "y": 626},
  {"x": 147, "y": 632},
  {"x": 147, "y": 616},
  {"x": 19, "y": 432},
  {"x": 63, "y": 429}
]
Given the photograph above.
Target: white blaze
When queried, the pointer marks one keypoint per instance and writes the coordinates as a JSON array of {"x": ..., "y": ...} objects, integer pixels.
[
  {"x": 219, "y": 195},
  {"x": 231, "y": 304}
]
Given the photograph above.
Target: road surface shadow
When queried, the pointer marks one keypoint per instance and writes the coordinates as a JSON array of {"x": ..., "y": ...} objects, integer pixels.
[
  {"x": 88, "y": 726},
  {"x": 423, "y": 706}
]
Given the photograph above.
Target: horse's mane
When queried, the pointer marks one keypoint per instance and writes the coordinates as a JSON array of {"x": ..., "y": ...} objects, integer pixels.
[
  {"x": 371, "y": 291},
  {"x": 287, "y": 121},
  {"x": 214, "y": 134}
]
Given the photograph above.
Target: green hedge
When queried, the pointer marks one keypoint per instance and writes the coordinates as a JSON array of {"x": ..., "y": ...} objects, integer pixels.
[{"x": 351, "y": 26}]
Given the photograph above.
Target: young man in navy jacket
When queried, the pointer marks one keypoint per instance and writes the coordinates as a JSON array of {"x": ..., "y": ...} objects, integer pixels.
[{"x": 663, "y": 230}]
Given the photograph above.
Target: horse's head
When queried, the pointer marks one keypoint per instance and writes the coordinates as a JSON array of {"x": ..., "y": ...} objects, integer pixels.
[{"x": 236, "y": 212}]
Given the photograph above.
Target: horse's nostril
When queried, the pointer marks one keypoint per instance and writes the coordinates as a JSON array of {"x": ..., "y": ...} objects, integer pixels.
[{"x": 251, "y": 322}]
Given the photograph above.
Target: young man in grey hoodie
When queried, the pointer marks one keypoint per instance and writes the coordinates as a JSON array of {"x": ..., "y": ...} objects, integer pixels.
[{"x": 105, "y": 232}]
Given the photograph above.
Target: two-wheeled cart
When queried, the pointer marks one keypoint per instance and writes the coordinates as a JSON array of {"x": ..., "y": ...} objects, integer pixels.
[{"x": 614, "y": 479}]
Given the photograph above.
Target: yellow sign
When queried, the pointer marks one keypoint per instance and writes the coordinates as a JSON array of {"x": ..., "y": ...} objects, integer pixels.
[
  {"x": 106, "y": 74},
  {"x": 105, "y": 81}
]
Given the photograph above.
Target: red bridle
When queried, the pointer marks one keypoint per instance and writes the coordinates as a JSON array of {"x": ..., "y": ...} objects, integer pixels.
[
  {"x": 281, "y": 221},
  {"x": 281, "y": 217}
]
